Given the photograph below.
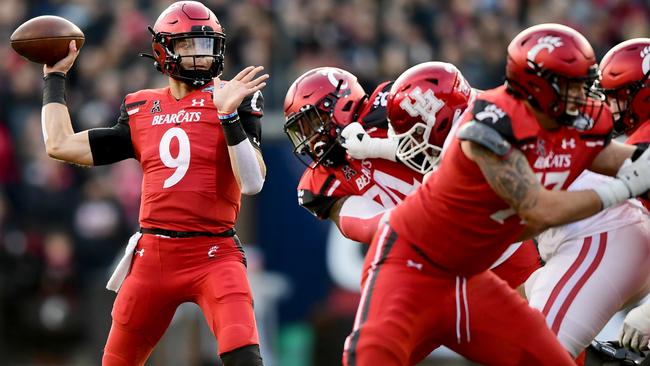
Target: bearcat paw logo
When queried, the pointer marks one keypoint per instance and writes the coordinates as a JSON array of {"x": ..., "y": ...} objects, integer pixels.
[{"x": 645, "y": 55}]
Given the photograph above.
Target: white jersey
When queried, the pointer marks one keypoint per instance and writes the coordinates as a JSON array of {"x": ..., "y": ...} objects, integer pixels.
[{"x": 627, "y": 213}]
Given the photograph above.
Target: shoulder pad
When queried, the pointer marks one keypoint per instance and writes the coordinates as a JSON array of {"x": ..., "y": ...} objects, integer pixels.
[
  {"x": 374, "y": 113},
  {"x": 485, "y": 136},
  {"x": 489, "y": 114},
  {"x": 252, "y": 104}
]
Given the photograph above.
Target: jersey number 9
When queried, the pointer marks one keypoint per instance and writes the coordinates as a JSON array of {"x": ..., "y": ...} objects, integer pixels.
[{"x": 182, "y": 161}]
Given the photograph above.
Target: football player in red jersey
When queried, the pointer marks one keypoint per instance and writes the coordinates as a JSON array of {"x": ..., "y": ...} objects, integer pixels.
[
  {"x": 356, "y": 193},
  {"x": 499, "y": 181},
  {"x": 197, "y": 141},
  {"x": 625, "y": 71},
  {"x": 610, "y": 250}
]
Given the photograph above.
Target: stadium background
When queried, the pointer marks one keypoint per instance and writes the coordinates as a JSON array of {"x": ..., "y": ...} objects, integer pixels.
[{"x": 61, "y": 227}]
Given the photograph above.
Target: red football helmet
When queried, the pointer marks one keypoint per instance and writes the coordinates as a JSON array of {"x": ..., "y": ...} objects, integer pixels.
[
  {"x": 554, "y": 68},
  {"x": 624, "y": 79},
  {"x": 188, "y": 29},
  {"x": 423, "y": 104},
  {"x": 318, "y": 105}
]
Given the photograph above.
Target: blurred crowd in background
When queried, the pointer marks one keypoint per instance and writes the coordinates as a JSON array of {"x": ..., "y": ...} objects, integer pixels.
[{"x": 61, "y": 226}]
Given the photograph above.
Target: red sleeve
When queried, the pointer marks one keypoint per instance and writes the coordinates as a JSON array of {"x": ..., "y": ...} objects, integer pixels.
[
  {"x": 359, "y": 229},
  {"x": 318, "y": 190},
  {"x": 641, "y": 135}
]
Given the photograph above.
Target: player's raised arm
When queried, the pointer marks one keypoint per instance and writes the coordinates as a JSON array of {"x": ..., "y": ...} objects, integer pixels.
[
  {"x": 61, "y": 142},
  {"x": 97, "y": 146},
  {"x": 247, "y": 162}
]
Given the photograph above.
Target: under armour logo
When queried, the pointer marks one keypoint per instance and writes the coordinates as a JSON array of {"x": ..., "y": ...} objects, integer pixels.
[
  {"x": 198, "y": 102},
  {"x": 140, "y": 252},
  {"x": 213, "y": 251},
  {"x": 412, "y": 264},
  {"x": 424, "y": 105},
  {"x": 549, "y": 43},
  {"x": 570, "y": 143}
]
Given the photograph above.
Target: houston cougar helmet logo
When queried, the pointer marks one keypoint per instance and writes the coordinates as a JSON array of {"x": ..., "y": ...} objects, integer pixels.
[
  {"x": 424, "y": 105},
  {"x": 645, "y": 64},
  {"x": 549, "y": 43}
]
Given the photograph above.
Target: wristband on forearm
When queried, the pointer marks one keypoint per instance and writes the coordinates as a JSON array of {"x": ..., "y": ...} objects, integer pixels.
[
  {"x": 233, "y": 131},
  {"x": 54, "y": 88}
]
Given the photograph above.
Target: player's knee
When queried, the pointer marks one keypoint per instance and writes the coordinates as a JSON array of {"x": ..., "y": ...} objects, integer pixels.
[
  {"x": 236, "y": 335},
  {"x": 243, "y": 356}
]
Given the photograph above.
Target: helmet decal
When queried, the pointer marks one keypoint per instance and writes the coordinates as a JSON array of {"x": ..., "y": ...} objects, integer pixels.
[
  {"x": 426, "y": 106},
  {"x": 329, "y": 72},
  {"x": 645, "y": 55},
  {"x": 492, "y": 112},
  {"x": 548, "y": 43}
]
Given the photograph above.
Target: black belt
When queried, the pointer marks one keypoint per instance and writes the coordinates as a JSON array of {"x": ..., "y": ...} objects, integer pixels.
[{"x": 186, "y": 234}]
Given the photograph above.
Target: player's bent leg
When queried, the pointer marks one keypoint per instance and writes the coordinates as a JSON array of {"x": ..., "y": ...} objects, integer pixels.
[
  {"x": 243, "y": 356},
  {"x": 136, "y": 327},
  {"x": 501, "y": 329},
  {"x": 227, "y": 304},
  {"x": 588, "y": 280},
  {"x": 395, "y": 314}
]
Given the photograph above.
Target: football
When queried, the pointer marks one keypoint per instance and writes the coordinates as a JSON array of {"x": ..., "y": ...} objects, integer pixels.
[{"x": 45, "y": 39}]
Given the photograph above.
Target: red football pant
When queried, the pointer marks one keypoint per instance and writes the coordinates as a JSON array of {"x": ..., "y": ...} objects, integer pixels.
[
  {"x": 167, "y": 272},
  {"x": 408, "y": 308},
  {"x": 520, "y": 265}
]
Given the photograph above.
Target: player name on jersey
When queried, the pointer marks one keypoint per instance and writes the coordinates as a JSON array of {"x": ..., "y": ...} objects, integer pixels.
[
  {"x": 553, "y": 161},
  {"x": 178, "y": 117}
]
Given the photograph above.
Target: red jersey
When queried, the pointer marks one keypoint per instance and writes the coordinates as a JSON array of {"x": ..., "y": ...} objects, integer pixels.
[
  {"x": 383, "y": 181},
  {"x": 641, "y": 136},
  {"x": 456, "y": 220},
  {"x": 188, "y": 183}
]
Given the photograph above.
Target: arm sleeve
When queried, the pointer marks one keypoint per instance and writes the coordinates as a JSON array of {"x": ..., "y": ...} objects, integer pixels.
[
  {"x": 250, "y": 113},
  {"x": 113, "y": 144},
  {"x": 359, "y": 218}
]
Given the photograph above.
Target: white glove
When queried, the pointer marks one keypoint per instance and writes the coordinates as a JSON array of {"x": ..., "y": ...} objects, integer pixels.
[
  {"x": 636, "y": 328},
  {"x": 361, "y": 146},
  {"x": 633, "y": 179}
]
